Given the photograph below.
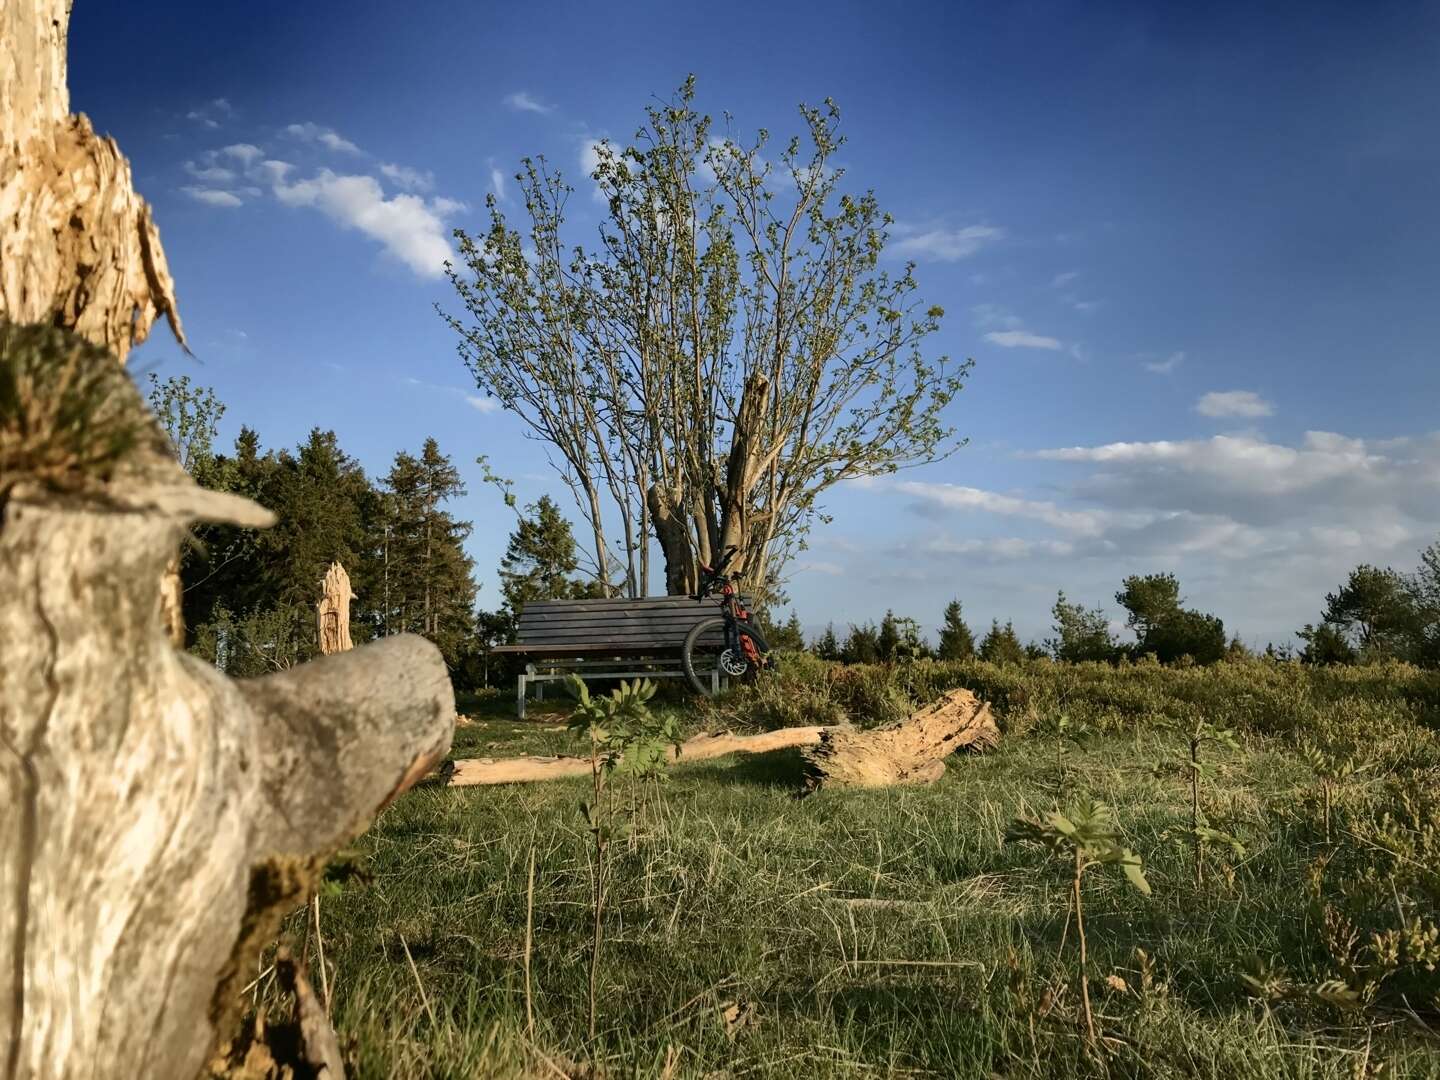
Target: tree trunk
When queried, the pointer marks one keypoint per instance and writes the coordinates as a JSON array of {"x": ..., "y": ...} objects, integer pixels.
[
  {"x": 674, "y": 540},
  {"x": 159, "y": 818},
  {"x": 742, "y": 470},
  {"x": 78, "y": 247}
]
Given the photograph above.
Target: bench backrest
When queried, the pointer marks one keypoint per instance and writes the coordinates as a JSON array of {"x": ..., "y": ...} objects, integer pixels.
[{"x": 653, "y": 622}]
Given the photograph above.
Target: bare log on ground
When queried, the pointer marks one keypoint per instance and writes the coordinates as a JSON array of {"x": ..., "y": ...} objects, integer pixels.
[
  {"x": 471, "y": 772},
  {"x": 910, "y": 752},
  {"x": 159, "y": 819}
]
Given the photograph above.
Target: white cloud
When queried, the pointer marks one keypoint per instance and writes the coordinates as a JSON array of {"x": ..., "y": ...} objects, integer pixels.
[
  {"x": 483, "y": 403},
  {"x": 1059, "y": 281},
  {"x": 1245, "y": 404},
  {"x": 994, "y": 315},
  {"x": 1021, "y": 339},
  {"x": 998, "y": 548},
  {"x": 941, "y": 244},
  {"x": 521, "y": 101},
  {"x": 497, "y": 182},
  {"x": 959, "y": 497},
  {"x": 212, "y": 196},
  {"x": 410, "y": 228},
  {"x": 211, "y": 174},
  {"x": 326, "y": 137},
  {"x": 245, "y": 153},
  {"x": 1166, "y": 366},
  {"x": 590, "y": 155},
  {"x": 829, "y": 569},
  {"x": 407, "y": 178},
  {"x": 271, "y": 171}
]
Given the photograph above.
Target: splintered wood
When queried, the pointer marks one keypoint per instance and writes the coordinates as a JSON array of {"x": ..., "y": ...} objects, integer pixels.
[
  {"x": 910, "y": 752},
  {"x": 332, "y": 611}
]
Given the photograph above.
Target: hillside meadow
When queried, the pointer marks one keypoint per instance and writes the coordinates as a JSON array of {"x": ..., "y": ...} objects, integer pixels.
[{"x": 897, "y": 932}]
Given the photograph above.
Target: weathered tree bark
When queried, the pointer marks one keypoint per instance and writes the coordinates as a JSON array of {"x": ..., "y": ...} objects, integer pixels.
[
  {"x": 673, "y": 536},
  {"x": 161, "y": 818},
  {"x": 78, "y": 247},
  {"x": 910, "y": 752},
  {"x": 332, "y": 611}
]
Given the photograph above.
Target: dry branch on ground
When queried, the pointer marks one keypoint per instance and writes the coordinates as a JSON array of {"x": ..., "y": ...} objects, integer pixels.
[{"x": 912, "y": 751}]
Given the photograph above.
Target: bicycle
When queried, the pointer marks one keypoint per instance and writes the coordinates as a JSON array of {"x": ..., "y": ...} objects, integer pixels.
[{"x": 729, "y": 643}]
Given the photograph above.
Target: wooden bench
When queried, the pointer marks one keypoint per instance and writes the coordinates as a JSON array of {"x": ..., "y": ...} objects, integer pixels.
[{"x": 605, "y": 639}]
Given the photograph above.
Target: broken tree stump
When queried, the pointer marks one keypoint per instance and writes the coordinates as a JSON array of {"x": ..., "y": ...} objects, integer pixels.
[
  {"x": 910, "y": 752},
  {"x": 160, "y": 819},
  {"x": 332, "y": 611}
]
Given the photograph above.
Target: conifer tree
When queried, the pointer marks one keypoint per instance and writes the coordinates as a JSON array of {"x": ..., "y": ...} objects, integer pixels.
[{"x": 956, "y": 640}]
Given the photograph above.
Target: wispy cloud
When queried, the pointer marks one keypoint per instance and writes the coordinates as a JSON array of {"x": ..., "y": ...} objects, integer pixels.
[
  {"x": 403, "y": 176},
  {"x": 245, "y": 153},
  {"x": 523, "y": 101},
  {"x": 1166, "y": 366},
  {"x": 959, "y": 497},
  {"x": 1059, "y": 281},
  {"x": 326, "y": 137},
  {"x": 943, "y": 244},
  {"x": 1022, "y": 339},
  {"x": 497, "y": 182},
  {"x": 1244, "y": 404},
  {"x": 481, "y": 403},
  {"x": 211, "y": 174},
  {"x": 212, "y": 196},
  {"x": 211, "y": 114}
]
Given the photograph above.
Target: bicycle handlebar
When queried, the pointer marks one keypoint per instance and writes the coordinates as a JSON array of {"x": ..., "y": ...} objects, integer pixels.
[{"x": 709, "y": 578}]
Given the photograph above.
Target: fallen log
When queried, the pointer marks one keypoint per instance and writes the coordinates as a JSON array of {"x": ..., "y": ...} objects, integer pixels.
[
  {"x": 522, "y": 770},
  {"x": 910, "y": 752}
]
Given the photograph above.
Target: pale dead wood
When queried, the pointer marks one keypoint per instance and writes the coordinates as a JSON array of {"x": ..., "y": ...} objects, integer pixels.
[
  {"x": 478, "y": 771},
  {"x": 912, "y": 751},
  {"x": 332, "y": 611},
  {"x": 159, "y": 819},
  {"x": 78, "y": 247}
]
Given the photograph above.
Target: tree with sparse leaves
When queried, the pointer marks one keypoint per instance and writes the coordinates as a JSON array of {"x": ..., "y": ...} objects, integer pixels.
[
  {"x": 728, "y": 350},
  {"x": 1081, "y": 634}
]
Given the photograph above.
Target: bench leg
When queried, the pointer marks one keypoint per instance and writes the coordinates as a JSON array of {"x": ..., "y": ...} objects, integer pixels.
[
  {"x": 715, "y": 681},
  {"x": 539, "y": 691},
  {"x": 520, "y": 696}
]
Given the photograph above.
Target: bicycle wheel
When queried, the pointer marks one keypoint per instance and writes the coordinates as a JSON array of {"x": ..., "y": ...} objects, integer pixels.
[{"x": 706, "y": 657}]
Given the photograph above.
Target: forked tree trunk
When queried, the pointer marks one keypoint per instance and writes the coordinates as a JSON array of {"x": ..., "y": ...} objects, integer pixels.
[{"x": 158, "y": 819}]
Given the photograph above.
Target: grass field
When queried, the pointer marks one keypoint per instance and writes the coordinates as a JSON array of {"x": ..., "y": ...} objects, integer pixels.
[{"x": 894, "y": 932}]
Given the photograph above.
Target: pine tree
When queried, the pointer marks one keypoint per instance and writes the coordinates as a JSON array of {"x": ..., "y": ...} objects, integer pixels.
[
  {"x": 861, "y": 645},
  {"x": 427, "y": 580},
  {"x": 1001, "y": 645},
  {"x": 956, "y": 640},
  {"x": 541, "y": 558},
  {"x": 827, "y": 645},
  {"x": 888, "y": 640}
]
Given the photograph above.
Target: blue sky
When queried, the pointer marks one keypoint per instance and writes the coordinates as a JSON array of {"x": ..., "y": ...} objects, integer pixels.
[{"x": 1192, "y": 249}]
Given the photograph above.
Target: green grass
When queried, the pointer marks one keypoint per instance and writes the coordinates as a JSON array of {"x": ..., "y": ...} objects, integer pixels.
[{"x": 858, "y": 933}]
